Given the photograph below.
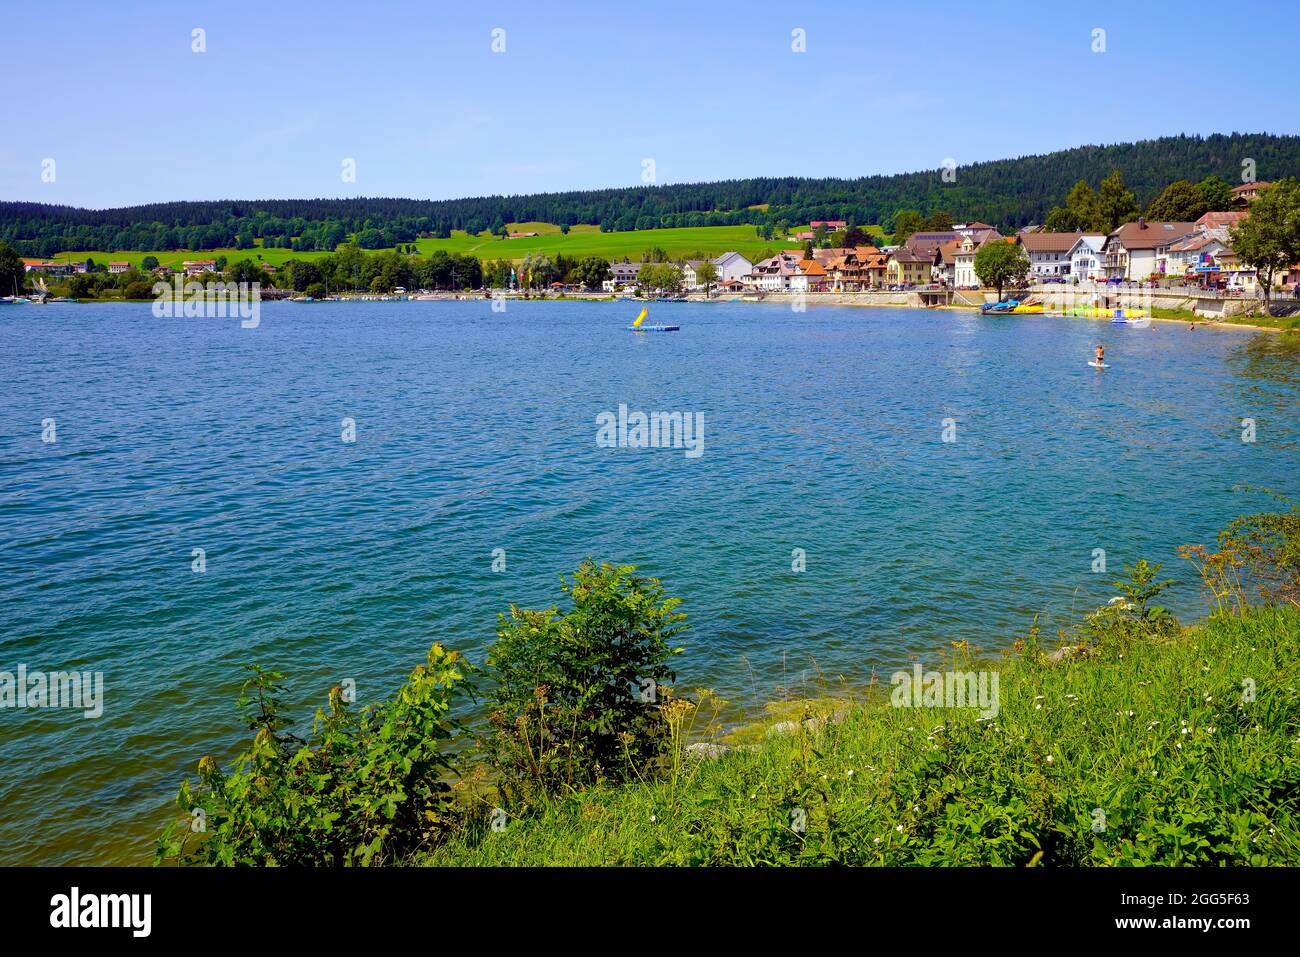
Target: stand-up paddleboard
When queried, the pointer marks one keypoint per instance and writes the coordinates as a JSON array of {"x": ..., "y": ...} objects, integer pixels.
[{"x": 1098, "y": 365}]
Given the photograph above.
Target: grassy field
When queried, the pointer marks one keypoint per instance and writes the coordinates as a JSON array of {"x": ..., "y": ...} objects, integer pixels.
[
  {"x": 1286, "y": 323},
  {"x": 1143, "y": 752},
  {"x": 580, "y": 241}
]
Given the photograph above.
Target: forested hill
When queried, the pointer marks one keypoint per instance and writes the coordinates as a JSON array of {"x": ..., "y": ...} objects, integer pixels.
[{"x": 1008, "y": 193}]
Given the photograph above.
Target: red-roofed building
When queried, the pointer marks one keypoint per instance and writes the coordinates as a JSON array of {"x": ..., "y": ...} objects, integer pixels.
[
  {"x": 1218, "y": 224},
  {"x": 1249, "y": 192},
  {"x": 814, "y": 273},
  {"x": 46, "y": 265}
]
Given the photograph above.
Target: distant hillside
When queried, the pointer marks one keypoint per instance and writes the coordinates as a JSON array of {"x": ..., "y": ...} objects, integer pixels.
[{"x": 1009, "y": 193}]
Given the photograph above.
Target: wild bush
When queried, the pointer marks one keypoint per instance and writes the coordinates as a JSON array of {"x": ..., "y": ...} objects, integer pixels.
[
  {"x": 576, "y": 696},
  {"x": 366, "y": 787}
]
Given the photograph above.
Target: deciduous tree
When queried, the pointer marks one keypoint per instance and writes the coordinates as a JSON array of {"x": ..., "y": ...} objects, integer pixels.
[{"x": 1000, "y": 264}]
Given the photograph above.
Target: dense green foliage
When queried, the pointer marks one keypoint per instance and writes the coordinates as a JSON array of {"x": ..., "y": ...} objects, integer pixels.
[
  {"x": 1269, "y": 239},
  {"x": 664, "y": 277},
  {"x": 1183, "y": 202},
  {"x": 575, "y": 699},
  {"x": 1001, "y": 264},
  {"x": 367, "y": 786},
  {"x": 1146, "y": 751},
  {"x": 12, "y": 272},
  {"x": 1112, "y": 205},
  {"x": 1007, "y": 193}
]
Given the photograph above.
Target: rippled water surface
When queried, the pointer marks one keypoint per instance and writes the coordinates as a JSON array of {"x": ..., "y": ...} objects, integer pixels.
[{"x": 476, "y": 431}]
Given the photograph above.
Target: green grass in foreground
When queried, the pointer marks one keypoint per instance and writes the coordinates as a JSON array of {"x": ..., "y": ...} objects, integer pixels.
[
  {"x": 1152, "y": 739},
  {"x": 1186, "y": 315}
]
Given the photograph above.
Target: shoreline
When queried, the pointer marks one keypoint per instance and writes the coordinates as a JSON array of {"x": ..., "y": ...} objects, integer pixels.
[{"x": 775, "y": 299}]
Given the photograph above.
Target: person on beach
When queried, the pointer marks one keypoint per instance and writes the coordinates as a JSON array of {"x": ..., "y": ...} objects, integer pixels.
[{"x": 1101, "y": 355}]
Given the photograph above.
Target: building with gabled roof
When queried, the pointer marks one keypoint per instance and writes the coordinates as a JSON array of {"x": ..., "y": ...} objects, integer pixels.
[
  {"x": 1086, "y": 258},
  {"x": 1135, "y": 250},
  {"x": 1249, "y": 192},
  {"x": 732, "y": 265},
  {"x": 1049, "y": 253}
]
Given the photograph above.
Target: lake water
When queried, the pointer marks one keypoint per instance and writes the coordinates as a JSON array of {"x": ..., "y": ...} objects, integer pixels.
[{"x": 476, "y": 431}]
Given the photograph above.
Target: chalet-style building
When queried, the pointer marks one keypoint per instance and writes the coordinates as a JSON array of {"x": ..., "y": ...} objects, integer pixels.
[
  {"x": 1086, "y": 258},
  {"x": 1135, "y": 250},
  {"x": 1049, "y": 253}
]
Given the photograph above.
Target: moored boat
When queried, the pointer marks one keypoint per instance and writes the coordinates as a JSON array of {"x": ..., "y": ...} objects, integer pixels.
[{"x": 1004, "y": 308}]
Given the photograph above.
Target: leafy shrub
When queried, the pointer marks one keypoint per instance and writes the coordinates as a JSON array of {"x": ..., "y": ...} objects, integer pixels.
[
  {"x": 366, "y": 788},
  {"x": 1131, "y": 616},
  {"x": 1269, "y": 546},
  {"x": 138, "y": 290},
  {"x": 573, "y": 704}
]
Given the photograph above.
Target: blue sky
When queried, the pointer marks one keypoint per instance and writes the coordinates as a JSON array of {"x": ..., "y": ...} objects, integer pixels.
[{"x": 285, "y": 92}]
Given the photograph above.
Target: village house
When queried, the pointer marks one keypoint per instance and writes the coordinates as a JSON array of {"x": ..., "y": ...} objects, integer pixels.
[
  {"x": 853, "y": 269},
  {"x": 621, "y": 274},
  {"x": 907, "y": 267},
  {"x": 1217, "y": 224},
  {"x": 844, "y": 274},
  {"x": 47, "y": 266},
  {"x": 1049, "y": 253},
  {"x": 118, "y": 266},
  {"x": 875, "y": 265},
  {"x": 193, "y": 267},
  {"x": 945, "y": 267},
  {"x": 927, "y": 243},
  {"x": 1085, "y": 258},
  {"x": 780, "y": 273},
  {"x": 1248, "y": 192},
  {"x": 1197, "y": 253},
  {"x": 830, "y": 225},
  {"x": 964, "y": 258},
  {"x": 732, "y": 265},
  {"x": 1135, "y": 250},
  {"x": 1206, "y": 255},
  {"x": 814, "y": 275}
]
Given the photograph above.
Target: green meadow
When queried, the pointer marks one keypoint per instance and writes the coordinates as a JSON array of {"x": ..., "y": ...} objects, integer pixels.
[
  {"x": 1136, "y": 752},
  {"x": 578, "y": 242}
]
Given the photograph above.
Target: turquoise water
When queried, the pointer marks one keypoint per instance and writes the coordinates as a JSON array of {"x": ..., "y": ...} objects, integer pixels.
[{"x": 477, "y": 431}]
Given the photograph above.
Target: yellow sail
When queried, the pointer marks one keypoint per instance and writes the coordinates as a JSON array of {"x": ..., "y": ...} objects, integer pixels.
[{"x": 641, "y": 318}]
